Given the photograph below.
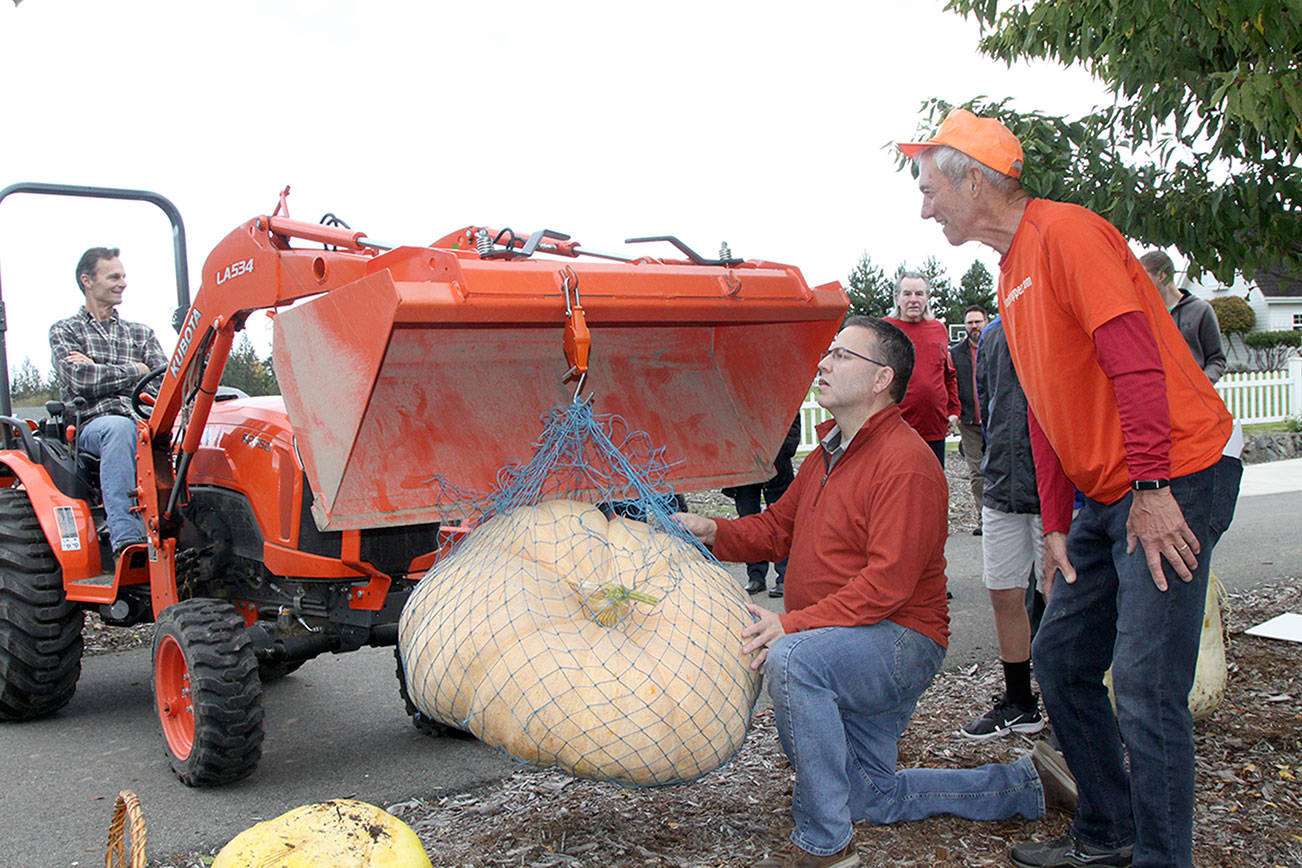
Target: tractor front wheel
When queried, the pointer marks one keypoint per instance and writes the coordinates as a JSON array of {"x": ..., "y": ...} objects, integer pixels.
[
  {"x": 422, "y": 721},
  {"x": 40, "y": 631},
  {"x": 207, "y": 693}
]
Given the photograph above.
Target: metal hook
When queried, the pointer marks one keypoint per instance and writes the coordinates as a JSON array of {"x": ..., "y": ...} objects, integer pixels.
[
  {"x": 570, "y": 283},
  {"x": 576, "y": 340}
]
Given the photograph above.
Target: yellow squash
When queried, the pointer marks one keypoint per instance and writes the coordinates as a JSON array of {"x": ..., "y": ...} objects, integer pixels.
[{"x": 341, "y": 833}]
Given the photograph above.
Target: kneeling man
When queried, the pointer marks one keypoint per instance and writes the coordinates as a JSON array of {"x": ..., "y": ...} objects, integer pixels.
[{"x": 863, "y": 527}]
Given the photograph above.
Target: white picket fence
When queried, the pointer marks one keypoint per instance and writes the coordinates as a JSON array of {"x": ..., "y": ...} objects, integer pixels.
[{"x": 1252, "y": 397}]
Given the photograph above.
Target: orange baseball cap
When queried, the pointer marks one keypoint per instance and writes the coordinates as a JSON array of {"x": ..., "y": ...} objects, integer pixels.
[{"x": 985, "y": 140}]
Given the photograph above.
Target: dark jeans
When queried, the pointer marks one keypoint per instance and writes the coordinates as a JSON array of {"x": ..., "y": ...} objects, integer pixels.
[
  {"x": 1113, "y": 615},
  {"x": 1034, "y": 604},
  {"x": 938, "y": 446}
]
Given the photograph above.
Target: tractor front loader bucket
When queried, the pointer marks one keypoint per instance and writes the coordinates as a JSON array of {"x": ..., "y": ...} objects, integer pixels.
[{"x": 438, "y": 366}]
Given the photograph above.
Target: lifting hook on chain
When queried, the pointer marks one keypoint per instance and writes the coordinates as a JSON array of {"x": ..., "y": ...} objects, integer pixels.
[{"x": 577, "y": 340}]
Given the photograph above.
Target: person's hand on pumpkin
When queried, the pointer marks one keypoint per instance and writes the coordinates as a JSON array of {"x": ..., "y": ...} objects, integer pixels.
[
  {"x": 699, "y": 526},
  {"x": 761, "y": 634}
]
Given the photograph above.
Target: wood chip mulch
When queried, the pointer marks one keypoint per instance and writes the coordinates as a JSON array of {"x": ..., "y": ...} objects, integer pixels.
[
  {"x": 1249, "y": 762},
  {"x": 1249, "y": 807}
]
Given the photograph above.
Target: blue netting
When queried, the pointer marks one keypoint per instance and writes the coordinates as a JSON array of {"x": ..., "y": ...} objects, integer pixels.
[{"x": 579, "y": 625}]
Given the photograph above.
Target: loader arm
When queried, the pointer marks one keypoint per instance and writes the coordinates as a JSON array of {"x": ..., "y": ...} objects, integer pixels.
[{"x": 253, "y": 268}]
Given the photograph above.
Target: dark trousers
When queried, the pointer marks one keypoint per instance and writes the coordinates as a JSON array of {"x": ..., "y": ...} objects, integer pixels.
[
  {"x": 748, "y": 499},
  {"x": 938, "y": 446},
  {"x": 1113, "y": 615}
]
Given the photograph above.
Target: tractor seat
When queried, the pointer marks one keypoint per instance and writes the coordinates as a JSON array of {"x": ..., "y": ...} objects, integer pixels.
[{"x": 80, "y": 478}]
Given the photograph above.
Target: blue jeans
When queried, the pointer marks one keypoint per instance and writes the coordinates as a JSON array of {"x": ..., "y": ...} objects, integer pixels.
[
  {"x": 112, "y": 439},
  {"x": 842, "y": 697},
  {"x": 1113, "y": 615}
]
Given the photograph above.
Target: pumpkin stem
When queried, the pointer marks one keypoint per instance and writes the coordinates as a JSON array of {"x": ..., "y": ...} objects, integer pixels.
[{"x": 610, "y": 602}]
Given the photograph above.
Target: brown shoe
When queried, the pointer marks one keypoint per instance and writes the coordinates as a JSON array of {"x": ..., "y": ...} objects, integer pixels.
[
  {"x": 1055, "y": 777},
  {"x": 794, "y": 857}
]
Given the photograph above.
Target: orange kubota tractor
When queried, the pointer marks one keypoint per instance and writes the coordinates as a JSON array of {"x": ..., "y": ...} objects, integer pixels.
[{"x": 282, "y": 528}]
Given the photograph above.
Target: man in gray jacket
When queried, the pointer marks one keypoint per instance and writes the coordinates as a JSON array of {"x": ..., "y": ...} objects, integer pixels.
[
  {"x": 1012, "y": 547},
  {"x": 1194, "y": 317}
]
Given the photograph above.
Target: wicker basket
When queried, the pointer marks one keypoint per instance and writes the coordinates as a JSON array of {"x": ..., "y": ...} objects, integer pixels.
[{"x": 126, "y": 810}]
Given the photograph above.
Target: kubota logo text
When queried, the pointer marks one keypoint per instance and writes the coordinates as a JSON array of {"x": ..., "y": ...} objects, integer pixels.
[
  {"x": 183, "y": 345},
  {"x": 235, "y": 269}
]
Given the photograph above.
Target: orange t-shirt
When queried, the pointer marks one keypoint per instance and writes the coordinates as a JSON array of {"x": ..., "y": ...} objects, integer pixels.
[{"x": 1068, "y": 272}]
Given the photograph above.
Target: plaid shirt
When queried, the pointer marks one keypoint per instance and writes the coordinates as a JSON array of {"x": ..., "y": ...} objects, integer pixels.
[{"x": 115, "y": 345}]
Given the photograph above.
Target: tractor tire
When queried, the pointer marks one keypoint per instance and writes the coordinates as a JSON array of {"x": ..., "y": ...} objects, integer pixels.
[
  {"x": 40, "y": 631},
  {"x": 207, "y": 693},
  {"x": 419, "y": 719}
]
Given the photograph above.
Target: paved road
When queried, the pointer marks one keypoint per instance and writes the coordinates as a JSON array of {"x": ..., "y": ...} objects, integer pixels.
[
  {"x": 337, "y": 728},
  {"x": 334, "y": 728}
]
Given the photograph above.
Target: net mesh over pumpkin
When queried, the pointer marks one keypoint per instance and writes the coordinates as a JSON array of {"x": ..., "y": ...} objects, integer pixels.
[{"x": 578, "y": 625}]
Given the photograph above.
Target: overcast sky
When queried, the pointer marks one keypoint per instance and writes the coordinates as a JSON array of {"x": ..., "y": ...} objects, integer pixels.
[{"x": 762, "y": 124}]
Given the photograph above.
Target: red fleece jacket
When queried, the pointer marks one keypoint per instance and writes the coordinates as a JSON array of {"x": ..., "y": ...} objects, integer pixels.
[
  {"x": 865, "y": 542},
  {"x": 932, "y": 396}
]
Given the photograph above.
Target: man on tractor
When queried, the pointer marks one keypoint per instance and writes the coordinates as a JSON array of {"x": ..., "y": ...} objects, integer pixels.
[{"x": 100, "y": 357}]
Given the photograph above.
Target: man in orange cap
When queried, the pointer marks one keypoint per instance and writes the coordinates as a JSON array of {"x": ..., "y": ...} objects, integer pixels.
[{"x": 1119, "y": 408}]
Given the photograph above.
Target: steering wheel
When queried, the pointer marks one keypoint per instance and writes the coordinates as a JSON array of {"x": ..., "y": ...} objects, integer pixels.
[{"x": 141, "y": 401}]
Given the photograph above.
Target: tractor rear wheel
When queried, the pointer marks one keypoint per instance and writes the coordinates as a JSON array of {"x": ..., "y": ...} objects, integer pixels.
[
  {"x": 206, "y": 692},
  {"x": 40, "y": 631}
]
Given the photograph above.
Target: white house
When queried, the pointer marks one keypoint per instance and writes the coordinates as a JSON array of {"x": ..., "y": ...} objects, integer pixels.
[{"x": 1275, "y": 299}]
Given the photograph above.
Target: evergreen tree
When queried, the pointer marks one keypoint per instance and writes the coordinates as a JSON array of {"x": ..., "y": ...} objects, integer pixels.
[
  {"x": 27, "y": 386},
  {"x": 871, "y": 294},
  {"x": 976, "y": 286},
  {"x": 244, "y": 370}
]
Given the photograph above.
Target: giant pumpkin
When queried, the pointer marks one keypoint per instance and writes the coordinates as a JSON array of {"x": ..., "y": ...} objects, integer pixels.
[{"x": 599, "y": 646}]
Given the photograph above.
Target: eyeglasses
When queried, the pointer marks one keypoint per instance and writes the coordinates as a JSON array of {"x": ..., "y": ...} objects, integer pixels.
[{"x": 839, "y": 354}]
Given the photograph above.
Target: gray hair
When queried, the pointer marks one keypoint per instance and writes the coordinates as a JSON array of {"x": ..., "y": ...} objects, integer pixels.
[
  {"x": 912, "y": 275},
  {"x": 954, "y": 165}
]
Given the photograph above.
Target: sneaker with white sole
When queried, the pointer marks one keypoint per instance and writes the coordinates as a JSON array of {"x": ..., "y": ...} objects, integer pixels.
[
  {"x": 1067, "y": 852},
  {"x": 1004, "y": 718}
]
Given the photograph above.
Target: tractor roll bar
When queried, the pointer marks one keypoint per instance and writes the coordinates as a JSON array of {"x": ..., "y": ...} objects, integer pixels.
[
  {"x": 178, "y": 247},
  {"x": 182, "y": 270}
]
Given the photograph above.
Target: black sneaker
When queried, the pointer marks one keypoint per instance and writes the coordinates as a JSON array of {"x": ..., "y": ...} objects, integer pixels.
[
  {"x": 1004, "y": 718},
  {"x": 755, "y": 586},
  {"x": 776, "y": 590},
  {"x": 1067, "y": 852}
]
